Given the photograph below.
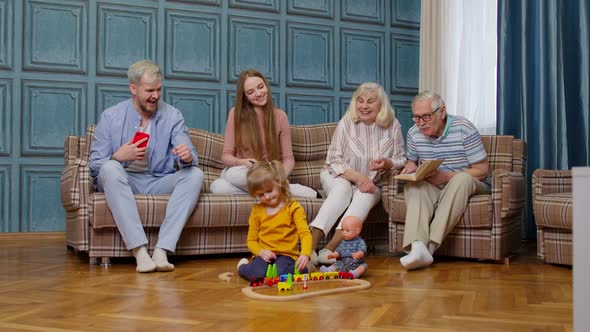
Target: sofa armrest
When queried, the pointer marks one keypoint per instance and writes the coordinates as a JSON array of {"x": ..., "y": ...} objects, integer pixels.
[
  {"x": 547, "y": 181},
  {"x": 75, "y": 185},
  {"x": 71, "y": 151},
  {"x": 390, "y": 188},
  {"x": 75, "y": 182},
  {"x": 508, "y": 194}
]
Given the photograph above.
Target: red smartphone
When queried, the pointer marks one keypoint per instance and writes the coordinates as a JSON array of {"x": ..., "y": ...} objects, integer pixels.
[{"x": 138, "y": 136}]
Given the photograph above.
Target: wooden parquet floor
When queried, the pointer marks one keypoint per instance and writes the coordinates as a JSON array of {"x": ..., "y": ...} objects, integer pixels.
[{"x": 44, "y": 287}]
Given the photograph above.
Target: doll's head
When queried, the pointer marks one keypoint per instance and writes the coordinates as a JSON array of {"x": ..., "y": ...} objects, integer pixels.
[
  {"x": 351, "y": 227},
  {"x": 268, "y": 183}
]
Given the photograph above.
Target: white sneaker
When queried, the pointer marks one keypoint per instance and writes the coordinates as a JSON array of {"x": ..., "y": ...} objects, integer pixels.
[
  {"x": 323, "y": 257},
  {"x": 242, "y": 262}
]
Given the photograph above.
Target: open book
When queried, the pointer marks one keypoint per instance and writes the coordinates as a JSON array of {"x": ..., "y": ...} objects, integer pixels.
[{"x": 426, "y": 166}]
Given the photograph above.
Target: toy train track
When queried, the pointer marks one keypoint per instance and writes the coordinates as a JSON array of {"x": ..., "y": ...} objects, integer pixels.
[{"x": 297, "y": 292}]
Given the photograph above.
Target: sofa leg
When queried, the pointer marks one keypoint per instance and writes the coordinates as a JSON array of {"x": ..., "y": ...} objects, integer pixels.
[
  {"x": 93, "y": 261},
  {"x": 105, "y": 262},
  {"x": 507, "y": 259}
]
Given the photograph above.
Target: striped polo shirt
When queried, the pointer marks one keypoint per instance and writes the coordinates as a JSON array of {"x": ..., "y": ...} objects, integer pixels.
[{"x": 459, "y": 146}]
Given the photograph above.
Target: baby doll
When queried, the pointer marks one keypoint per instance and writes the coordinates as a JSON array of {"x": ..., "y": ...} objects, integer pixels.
[{"x": 351, "y": 251}]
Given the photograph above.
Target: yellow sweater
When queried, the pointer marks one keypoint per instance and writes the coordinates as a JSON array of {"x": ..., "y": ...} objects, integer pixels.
[{"x": 280, "y": 232}]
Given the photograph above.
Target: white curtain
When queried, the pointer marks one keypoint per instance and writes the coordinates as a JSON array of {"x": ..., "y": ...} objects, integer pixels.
[{"x": 458, "y": 48}]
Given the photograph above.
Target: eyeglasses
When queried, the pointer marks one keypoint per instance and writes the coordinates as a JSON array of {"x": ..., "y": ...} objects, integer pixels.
[{"x": 425, "y": 117}]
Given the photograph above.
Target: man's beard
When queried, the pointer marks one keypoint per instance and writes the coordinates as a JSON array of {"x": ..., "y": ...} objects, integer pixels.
[{"x": 144, "y": 110}]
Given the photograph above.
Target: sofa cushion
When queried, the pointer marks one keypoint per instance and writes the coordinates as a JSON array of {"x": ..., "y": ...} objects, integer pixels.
[
  {"x": 209, "y": 147},
  {"x": 310, "y": 146},
  {"x": 311, "y": 142},
  {"x": 477, "y": 215},
  {"x": 499, "y": 149},
  {"x": 212, "y": 210},
  {"x": 554, "y": 210}
]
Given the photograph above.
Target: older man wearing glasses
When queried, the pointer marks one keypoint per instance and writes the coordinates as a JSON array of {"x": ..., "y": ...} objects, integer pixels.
[{"x": 435, "y": 204}]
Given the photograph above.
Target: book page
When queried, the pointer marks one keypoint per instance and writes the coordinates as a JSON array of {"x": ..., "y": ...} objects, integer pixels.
[{"x": 425, "y": 168}]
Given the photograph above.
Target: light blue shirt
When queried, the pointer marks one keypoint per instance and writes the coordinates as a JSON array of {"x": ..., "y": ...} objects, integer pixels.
[
  {"x": 119, "y": 123},
  {"x": 460, "y": 145}
]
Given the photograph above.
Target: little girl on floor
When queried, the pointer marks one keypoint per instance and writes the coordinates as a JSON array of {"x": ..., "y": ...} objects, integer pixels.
[{"x": 277, "y": 224}]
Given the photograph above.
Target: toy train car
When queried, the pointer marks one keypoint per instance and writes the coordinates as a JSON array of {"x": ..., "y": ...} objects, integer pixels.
[
  {"x": 283, "y": 279},
  {"x": 298, "y": 277}
]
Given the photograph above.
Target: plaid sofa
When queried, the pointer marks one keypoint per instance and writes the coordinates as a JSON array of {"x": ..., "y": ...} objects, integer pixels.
[
  {"x": 553, "y": 209},
  {"x": 219, "y": 223},
  {"x": 490, "y": 226}
]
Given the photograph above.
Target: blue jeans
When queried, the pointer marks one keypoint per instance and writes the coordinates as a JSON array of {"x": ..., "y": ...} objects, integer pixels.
[
  {"x": 119, "y": 186},
  {"x": 257, "y": 267}
]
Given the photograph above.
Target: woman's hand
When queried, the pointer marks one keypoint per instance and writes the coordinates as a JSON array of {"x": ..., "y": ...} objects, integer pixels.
[
  {"x": 267, "y": 255},
  {"x": 362, "y": 182},
  {"x": 302, "y": 262},
  {"x": 247, "y": 162},
  {"x": 365, "y": 185},
  {"x": 380, "y": 164}
]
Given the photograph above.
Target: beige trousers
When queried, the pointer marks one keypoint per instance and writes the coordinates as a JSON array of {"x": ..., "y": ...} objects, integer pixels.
[{"x": 432, "y": 212}]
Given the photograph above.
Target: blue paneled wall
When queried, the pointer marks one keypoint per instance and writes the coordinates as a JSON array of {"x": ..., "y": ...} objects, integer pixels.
[{"x": 62, "y": 62}]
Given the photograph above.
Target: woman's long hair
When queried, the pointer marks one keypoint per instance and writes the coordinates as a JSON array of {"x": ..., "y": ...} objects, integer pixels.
[{"x": 248, "y": 137}]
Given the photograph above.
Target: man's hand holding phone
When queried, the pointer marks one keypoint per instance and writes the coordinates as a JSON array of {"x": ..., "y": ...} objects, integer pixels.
[
  {"x": 139, "y": 136},
  {"x": 134, "y": 149}
]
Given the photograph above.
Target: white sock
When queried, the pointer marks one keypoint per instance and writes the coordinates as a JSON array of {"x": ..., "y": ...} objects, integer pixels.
[
  {"x": 144, "y": 262},
  {"x": 417, "y": 258},
  {"x": 161, "y": 260},
  {"x": 242, "y": 262}
]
